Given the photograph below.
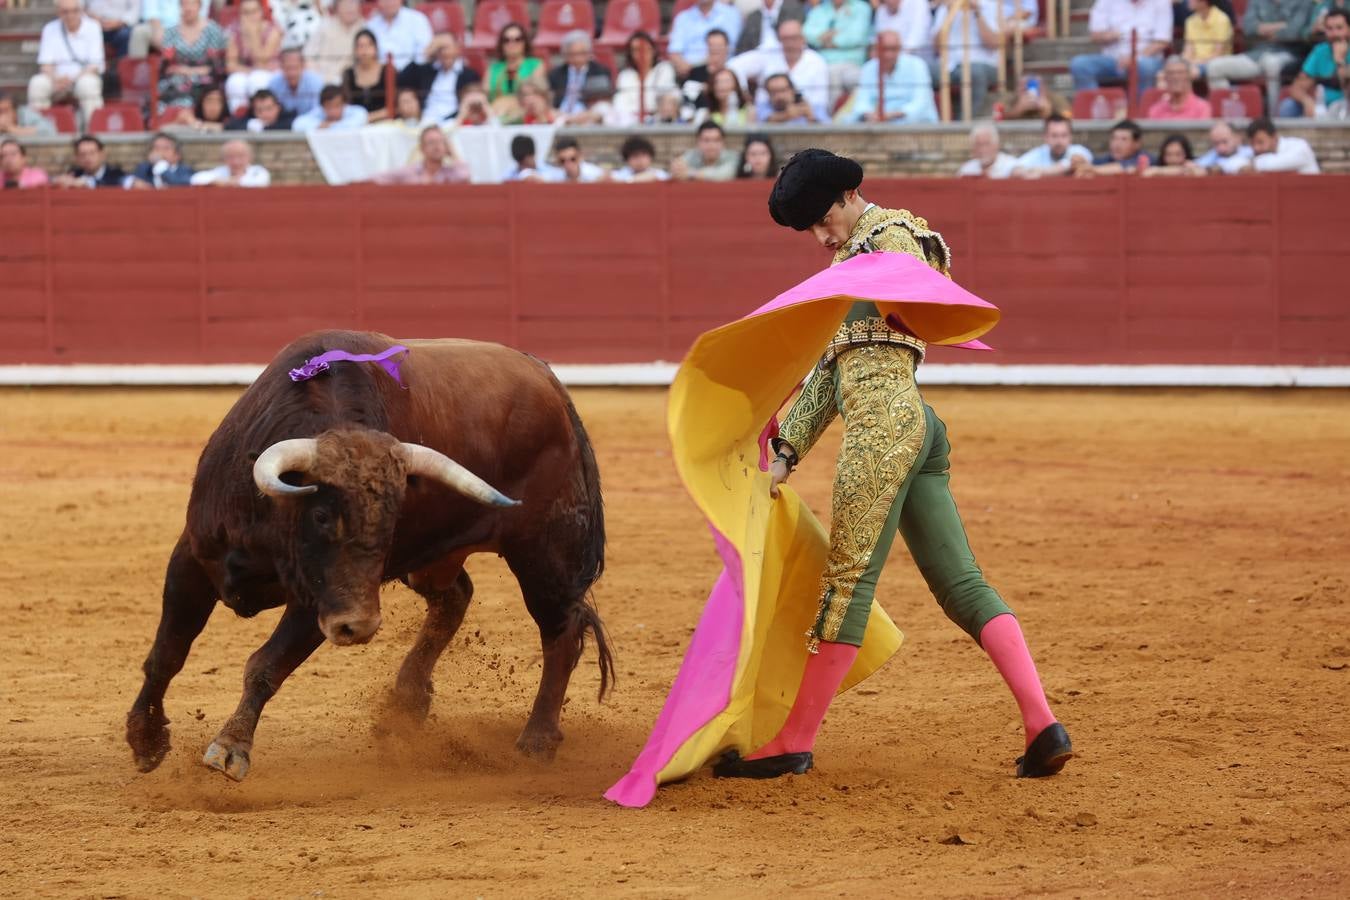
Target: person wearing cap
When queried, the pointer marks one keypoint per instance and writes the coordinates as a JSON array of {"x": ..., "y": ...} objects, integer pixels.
[{"x": 891, "y": 477}]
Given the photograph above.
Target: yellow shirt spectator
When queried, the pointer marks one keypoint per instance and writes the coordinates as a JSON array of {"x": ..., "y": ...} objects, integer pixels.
[{"x": 1209, "y": 33}]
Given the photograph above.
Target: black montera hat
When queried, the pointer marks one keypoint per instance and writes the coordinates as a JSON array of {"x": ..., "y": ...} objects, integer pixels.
[{"x": 810, "y": 182}]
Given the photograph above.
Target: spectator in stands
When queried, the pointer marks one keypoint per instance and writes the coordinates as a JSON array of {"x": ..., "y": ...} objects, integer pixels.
[
  {"x": 534, "y": 107},
  {"x": 23, "y": 121},
  {"x": 439, "y": 163},
  {"x": 569, "y": 81},
  {"x": 526, "y": 167},
  {"x": 710, "y": 160},
  {"x": 758, "y": 159},
  {"x": 1316, "y": 30},
  {"x": 1226, "y": 155},
  {"x": 237, "y": 169},
  {"x": 1027, "y": 12},
  {"x": 401, "y": 32},
  {"x": 157, "y": 17},
  {"x": 575, "y": 169},
  {"x": 364, "y": 80},
  {"x": 839, "y": 30},
  {"x": 296, "y": 88},
  {"x": 1275, "y": 30},
  {"x": 15, "y": 169},
  {"x": 982, "y": 51},
  {"x": 695, "y": 85},
  {"x": 333, "y": 113},
  {"x": 1274, "y": 152},
  {"x": 163, "y": 166},
  {"x": 639, "y": 158},
  {"x": 635, "y": 98},
  {"x": 987, "y": 158},
  {"x": 760, "y": 32},
  {"x": 1124, "y": 153},
  {"x": 893, "y": 87},
  {"x": 1175, "y": 157},
  {"x": 70, "y": 61},
  {"x": 670, "y": 109},
  {"x": 298, "y": 20},
  {"x": 807, "y": 69},
  {"x": 408, "y": 110},
  {"x": 688, "y": 45},
  {"x": 474, "y": 108},
  {"x": 329, "y": 50},
  {"x": 514, "y": 64},
  {"x": 1032, "y": 100},
  {"x": 727, "y": 103},
  {"x": 194, "y": 52},
  {"x": 252, "y": 53},
  {"x": 1209, "y": 34},
  {"x": 1056, "y": 155},
  {"x": 1109, "y": 26},
  {"x": 912, "y": 20},
  {"x": 1178, "y": 100},
  {"x": 441, "y": 80},
  {"x": 209, "y": 112},
  {"x": 116, "y": 18},
  {"x": 91, "y": 169},
  {"x": 783, "y": 104},
  {"x": 1320, "y": 82},
  {"x": 264, "y": 114}
]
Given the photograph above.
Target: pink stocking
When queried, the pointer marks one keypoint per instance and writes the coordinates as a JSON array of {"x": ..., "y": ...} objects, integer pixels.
[
  {"x": 825, "y": 671},
  {"x": 1002, "y": 639}
]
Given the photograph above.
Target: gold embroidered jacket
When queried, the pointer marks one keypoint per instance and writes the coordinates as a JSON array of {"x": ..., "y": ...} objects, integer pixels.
[{"x": 877, "y": 229}]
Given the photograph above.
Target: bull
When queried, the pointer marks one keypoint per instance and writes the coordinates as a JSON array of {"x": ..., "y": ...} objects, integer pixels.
[{"x": 311, "y": 495}]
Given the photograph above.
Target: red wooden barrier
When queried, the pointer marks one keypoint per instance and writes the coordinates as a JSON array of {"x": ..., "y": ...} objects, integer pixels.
[{"x": 1109, "y": 270}]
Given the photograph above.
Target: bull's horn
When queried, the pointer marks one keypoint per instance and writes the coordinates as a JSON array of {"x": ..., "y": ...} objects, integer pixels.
[
  {"x": 295, "y": 455},
  {"x": 432, "y": 464}
]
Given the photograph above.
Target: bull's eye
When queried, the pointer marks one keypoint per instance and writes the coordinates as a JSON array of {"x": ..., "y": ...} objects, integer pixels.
[{"x": 321, "y": 517}]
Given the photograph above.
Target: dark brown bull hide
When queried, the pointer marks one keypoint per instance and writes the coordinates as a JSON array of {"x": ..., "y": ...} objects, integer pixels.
[{"x": 312, "y": 494}]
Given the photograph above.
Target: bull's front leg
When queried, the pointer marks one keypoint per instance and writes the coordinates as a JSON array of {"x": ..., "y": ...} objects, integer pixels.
[
  {"x": 189, "y": 598},
  {"x": 297, "y": 635}
]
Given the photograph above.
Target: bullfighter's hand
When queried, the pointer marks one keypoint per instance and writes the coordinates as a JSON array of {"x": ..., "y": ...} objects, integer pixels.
[{"x": 778, "y": 473}]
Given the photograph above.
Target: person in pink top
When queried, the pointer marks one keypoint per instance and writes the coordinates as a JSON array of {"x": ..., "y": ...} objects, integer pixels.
[
  {"x": 1178, "y": 100},
  {"x": 14, "y": 169},
  {"x": 439, "y": 164}
]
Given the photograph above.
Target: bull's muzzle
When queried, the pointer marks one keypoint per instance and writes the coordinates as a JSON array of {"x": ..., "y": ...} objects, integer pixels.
[{"x": 348, "y": 628}]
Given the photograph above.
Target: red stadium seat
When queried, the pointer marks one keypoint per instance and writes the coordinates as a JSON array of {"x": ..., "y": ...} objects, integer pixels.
[
  {"x": 557, "y": 17},
  {"x": 63, "y": 117},
  {"x": 1085, "y": 103},
  {"x": 492, "y": 16},
  {"x": 605, "y": 57},
  {"x": 476, "y": 60},
  {"x": 117, "y": 118},
  {"x": 170, "y": 116},
  {"x": 623, "y": 17},
  {"x": 445, "y": 18},
  {"x": 1151, "y": 96},
  {"x": 137, "y": 77},
  {"x": 1241, "y": 102}
]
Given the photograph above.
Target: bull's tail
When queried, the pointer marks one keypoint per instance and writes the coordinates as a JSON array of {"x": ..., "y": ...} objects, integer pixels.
[{"x": 590, "y": 564}]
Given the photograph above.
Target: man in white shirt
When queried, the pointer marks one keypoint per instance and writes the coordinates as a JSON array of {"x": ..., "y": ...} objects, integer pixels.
[
  {"x": 981, "y": 47},
  {"x": 401, "y": 31},
  {"x": 1110, "y": 25},
  {"x": 238, "y": 169},
  {"x": 1056, "y": 155},
  {"x": 688, "y": 45},
  {"x": 70, "y": 60},
  {"x": 894, "y": 87},
  {"x": 639, "y": 158},
  {"x": 986, "y": 157},
  {"x": 1227, "y": 155},
  {"x": 807, "y": 69},
  {"x": 1272, "y": 152},
  {"x": 333, "y": 113},
  {"x": 912, "y": 20},
  {"x": 575, "y": 169}
]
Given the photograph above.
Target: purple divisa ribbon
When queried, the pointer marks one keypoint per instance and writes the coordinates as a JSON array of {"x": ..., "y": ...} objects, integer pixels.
[{"x": 316, "y": 364}]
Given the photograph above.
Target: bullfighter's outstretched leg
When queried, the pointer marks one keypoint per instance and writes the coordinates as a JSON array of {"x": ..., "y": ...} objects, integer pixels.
[
  {"x": 447, "y": 590},
  {"x": 189, "y": 598},
  {"x": 297, "y": 635}
]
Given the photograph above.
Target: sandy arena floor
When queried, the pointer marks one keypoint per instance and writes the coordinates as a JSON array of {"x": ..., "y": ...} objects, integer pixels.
[{"x": 1180, "y": 561}]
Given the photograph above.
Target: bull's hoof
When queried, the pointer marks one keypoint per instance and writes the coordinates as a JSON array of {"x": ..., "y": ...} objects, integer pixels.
[
  {"x": 149, "y": 740},
  {"x": 542, "y": 747},
  {"x": 232, "y": 763}
]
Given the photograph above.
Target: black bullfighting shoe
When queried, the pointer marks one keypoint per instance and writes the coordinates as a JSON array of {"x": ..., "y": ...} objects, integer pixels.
[
  {"x": 732, "y": 766},
  {"x": 1047, "y": 754}
]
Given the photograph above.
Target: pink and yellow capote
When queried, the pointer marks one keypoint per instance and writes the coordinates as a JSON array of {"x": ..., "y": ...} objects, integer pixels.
[{"x": 740, "y": 674}]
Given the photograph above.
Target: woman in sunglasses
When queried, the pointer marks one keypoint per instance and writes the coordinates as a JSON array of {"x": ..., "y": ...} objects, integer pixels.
[{"x": 515, "y": 63}]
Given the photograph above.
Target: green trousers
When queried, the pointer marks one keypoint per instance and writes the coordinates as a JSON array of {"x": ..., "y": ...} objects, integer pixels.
[{"x": 925, "y": 514}]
